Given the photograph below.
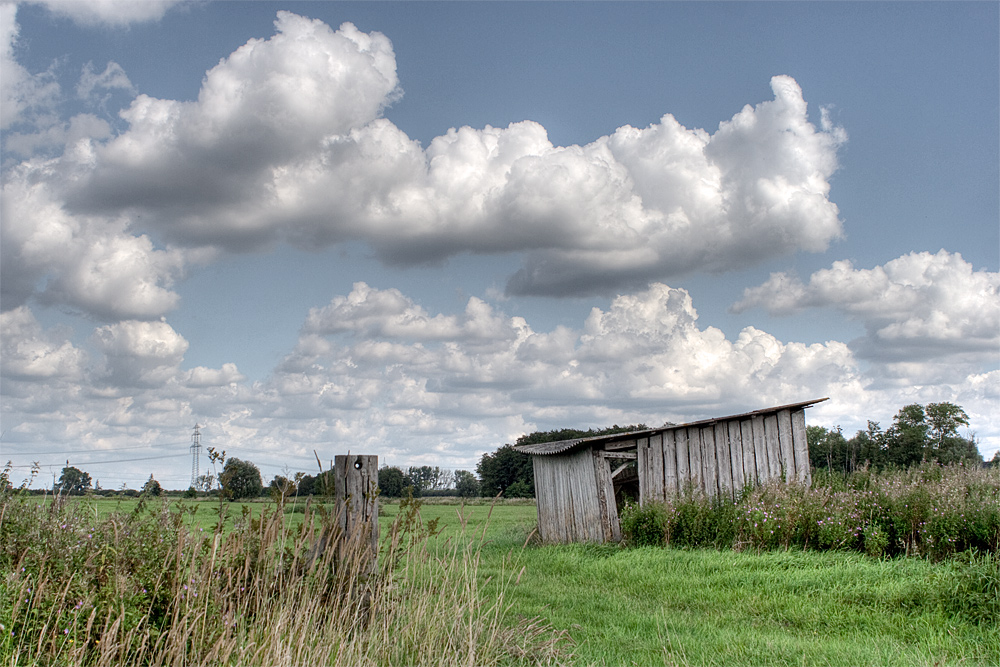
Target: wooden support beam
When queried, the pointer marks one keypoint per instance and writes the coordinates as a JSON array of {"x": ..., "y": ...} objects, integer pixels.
[
  {"x": 619, "y": 470},
  {"x": 620, "y": 455},
  {"x": 627, "y": 444}
]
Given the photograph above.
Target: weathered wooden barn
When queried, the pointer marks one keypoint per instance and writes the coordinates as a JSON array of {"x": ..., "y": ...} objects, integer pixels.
[{"x": 580, "y": 483}]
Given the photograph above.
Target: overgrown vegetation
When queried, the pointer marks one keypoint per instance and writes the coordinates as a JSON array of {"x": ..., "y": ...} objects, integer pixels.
[
  {"x": 141, "y": 588},
  {"x": 929, "y": 510}
]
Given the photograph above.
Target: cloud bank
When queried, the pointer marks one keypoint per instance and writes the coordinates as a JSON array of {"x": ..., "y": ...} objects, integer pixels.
[{"x": 374, "y": 369}]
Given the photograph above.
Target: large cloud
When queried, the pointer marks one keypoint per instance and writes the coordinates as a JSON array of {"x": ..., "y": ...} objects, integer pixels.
[
  {"x": 285, "y": 142},
  {"x": 916, "y": 308}
]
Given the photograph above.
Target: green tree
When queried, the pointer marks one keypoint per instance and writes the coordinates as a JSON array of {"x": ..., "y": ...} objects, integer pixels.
[
  {"x": 466, "y": 484},
  {"x": 504, "y": 468},
  {"x": 391, "y": 482},
  {"x": 152, "y": 487},
  {"x": 827, "y": 447},
  {"x": 324, "y": 484},
  {"x": 906, "y": 441},
  {"x": 282, "y": 487},
  {"x": 240, "y": 479},
  {"x": 931, "y": 434},
  {"x": 307, "y": 485},
  {"x": 73, "y": 481},
  {"x": 423, "y": 478},
  {"x": 944, "y": 420}
]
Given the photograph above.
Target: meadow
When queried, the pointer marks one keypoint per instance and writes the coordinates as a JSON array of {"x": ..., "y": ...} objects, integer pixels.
[{"x": 102, "y": 582}]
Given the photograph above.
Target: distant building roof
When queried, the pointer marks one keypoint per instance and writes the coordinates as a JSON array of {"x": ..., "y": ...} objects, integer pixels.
[{"x": 563, "y": 446}]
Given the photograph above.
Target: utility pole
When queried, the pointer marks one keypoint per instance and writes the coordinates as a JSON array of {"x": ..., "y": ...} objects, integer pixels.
[{"x": 195, "y": 455}]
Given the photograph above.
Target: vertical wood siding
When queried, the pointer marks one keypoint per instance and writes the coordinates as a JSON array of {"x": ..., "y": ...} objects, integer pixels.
[
  {"x": 723, "y": 458},
  {"x": 569, "y": 505}
]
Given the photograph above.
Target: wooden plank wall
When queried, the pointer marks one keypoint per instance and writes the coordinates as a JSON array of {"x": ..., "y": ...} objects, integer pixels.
[
  {"x": 724, "y": 457},
  {"x": 569, "y": 505}
]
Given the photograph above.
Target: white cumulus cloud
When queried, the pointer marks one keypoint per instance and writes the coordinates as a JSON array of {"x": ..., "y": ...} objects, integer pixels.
[
  {"x": 285, "y": 142},
  {"x": 915, "y": 308},
  {"x": 140, "y": 353},
  {"x": 31, "y": 353}
]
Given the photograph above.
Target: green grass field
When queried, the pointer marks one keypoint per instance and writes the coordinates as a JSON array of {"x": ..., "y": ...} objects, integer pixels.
[
  {"x": 700, "y": 607},
  {"x": 619, "y": 606}
]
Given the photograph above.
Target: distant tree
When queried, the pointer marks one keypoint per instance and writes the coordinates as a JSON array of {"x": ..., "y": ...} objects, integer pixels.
[
  {"x": 240, "y": 479},
  {"x": 520, "y": 489},
  {"x": 466, "y": 484},
  {"x": 391, "y": 481},
  {"x": 948, "y": 446},
  {"x": 931, "y": 434},
  {"x": 445, "y": 479},
  {"x": 307, "y": 485},
  {"x": 73, "y": 481},
  {"x": 422, "y": 478},
  {"x": 827, "y": 447},
  {"x": 324, "y": 484},
  {"x": 281, "y": 487},
  {"x": 917, "y": 434},
  {"x": 503, "y": 469},
  {"x": 152, "y": 487},
  {"x": 907, "y": 441},
  {"x": 191, "y": 492},
  {"x": 995, "y": 461}
]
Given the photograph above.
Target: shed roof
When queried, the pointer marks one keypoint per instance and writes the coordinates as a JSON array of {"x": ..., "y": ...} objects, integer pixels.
[{"x": 564, "y": 446}]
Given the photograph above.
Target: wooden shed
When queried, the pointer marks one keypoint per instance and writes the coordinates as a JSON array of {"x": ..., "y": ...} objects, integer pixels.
[{"x": 580, "y": 483}]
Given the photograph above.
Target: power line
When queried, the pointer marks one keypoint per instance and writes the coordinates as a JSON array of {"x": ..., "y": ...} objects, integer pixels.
[
  {"x": 97, "y": 463},
  {"x": 84, "y": 451}
]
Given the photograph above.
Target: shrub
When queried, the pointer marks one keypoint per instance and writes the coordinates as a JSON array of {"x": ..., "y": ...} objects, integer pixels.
[{"x": 646, "y": 525}]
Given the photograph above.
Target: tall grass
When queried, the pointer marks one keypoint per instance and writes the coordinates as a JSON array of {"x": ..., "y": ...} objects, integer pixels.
[
  {"x": 930, "y": 510},
  {"x": 142, "y": 588}
]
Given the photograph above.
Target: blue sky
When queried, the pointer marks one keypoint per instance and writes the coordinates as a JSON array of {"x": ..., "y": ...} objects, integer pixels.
[{"x": 446, "y": 224}]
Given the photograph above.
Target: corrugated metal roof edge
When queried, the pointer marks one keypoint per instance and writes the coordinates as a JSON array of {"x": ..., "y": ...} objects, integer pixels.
[{"x": 563, "y": 446}]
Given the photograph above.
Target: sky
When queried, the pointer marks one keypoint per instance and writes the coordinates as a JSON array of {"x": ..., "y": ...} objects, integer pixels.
[{"x": 422, "y": 230}]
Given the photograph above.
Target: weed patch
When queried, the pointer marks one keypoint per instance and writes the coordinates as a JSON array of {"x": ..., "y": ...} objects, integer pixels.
[{"x": 143, "y": 588}]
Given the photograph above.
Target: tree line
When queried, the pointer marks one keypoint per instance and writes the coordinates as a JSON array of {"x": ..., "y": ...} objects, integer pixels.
[{"x": 918, "y": 433}]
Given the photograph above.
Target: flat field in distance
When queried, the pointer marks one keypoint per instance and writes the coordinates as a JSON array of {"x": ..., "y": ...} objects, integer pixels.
[{"x": 517, "y": 517}]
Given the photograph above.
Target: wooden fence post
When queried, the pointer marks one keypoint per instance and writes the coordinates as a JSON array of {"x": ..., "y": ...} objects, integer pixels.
[{"x": 355, "y": 489}]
